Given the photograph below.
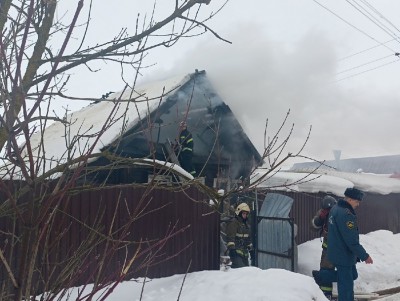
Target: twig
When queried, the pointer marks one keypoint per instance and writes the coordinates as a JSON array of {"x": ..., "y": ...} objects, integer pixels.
[{"x": 3, "y": 259}]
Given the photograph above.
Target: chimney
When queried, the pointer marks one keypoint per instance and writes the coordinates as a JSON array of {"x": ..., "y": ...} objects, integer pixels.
[{"x": 337, "y": 153}]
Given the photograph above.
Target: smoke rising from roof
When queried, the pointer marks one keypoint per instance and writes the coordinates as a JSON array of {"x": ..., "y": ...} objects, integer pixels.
[{"x": 262, "y": 78}]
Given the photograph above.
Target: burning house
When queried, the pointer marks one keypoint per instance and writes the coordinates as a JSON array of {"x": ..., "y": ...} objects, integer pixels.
[
  {"x": 144, "y": 121},
  {"x": 110, "y": 140}
]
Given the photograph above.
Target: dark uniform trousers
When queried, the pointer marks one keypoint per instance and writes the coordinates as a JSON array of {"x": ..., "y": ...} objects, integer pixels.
[
  {"x": 345, "y": 275},
  {"x": 326, "y": 285},
  {"x": 185, "y": 158},
  {"x": 240, "y": 261},
  {"x": 320, "y": 222}
]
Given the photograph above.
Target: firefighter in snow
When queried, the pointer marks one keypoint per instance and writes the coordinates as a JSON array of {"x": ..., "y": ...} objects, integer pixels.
[
  {"x": 320, "y": 223},
  {"x": 344, "y": 248},
  {"x": 239, "y": 237}
]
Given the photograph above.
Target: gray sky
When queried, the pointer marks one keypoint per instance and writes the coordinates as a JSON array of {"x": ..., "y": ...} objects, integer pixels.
[{"x": 290, "y": 54}]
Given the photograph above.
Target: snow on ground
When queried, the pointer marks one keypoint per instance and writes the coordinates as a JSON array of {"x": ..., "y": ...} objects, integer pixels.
[
  {"x": 383, "y": 247},
  {"x": 255, "y": 284}
]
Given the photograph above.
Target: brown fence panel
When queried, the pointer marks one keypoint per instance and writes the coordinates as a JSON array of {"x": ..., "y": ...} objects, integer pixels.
[
  {"x": 179, "y": 228},
  {"x": 379, "y": 212},
  {"x": 305, "y": 206},
  {"x": 376, "y": 212}
]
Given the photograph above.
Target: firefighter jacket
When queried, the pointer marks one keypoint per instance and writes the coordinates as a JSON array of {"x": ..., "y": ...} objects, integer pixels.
[
  {"x": 320, "y": 223},
  {"x": 238, "y": 236},
  {"x": 186, "y": 141},
  {"x": 344, "y": 245},
  {"x": 186, "y": 151}
]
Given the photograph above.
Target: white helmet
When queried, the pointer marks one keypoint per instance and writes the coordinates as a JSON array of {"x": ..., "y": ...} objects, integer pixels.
[{"x": 242, "y": 207}]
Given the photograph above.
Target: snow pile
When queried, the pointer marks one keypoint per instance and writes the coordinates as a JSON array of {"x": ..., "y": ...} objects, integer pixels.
[{"x": 252, "y": 283}]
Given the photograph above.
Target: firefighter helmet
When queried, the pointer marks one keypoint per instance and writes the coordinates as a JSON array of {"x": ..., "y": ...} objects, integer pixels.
[
  {"x": 242, "y": 207},
  {"x": 328, "y": 202}
]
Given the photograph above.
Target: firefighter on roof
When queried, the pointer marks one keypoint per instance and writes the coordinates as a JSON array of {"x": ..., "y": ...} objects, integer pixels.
[{"x": 186, "y": 149}]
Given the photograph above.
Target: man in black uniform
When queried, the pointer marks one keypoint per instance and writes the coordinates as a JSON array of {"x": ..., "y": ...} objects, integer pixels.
[{"x": 186, "y": 149}]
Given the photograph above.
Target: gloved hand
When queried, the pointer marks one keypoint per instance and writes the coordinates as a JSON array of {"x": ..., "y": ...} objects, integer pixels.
[
  {"x": 323, "y": 213},
  {"x": 232, "y": 253}
]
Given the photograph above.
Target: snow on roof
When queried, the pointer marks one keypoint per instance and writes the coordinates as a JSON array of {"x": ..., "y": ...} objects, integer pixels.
[
  {"x": 326, "y": 182},
  {"x": 376, "y": 165},
  {"x": 178, "y": 169},
  {"x": 60, "y": 139},
  {"x": 369, "y": 182},
  {"x": 302, "y": 182}
]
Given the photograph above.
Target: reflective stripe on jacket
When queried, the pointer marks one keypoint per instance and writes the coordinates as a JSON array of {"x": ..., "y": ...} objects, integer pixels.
[{"x": 186, "y": 141}]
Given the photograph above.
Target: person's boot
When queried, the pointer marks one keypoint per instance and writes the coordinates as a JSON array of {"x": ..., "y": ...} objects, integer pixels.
[
  {"x": 316, "y": 277},
  {"x": 330, "y": 297},
  {"x": 326, "y": 289}
]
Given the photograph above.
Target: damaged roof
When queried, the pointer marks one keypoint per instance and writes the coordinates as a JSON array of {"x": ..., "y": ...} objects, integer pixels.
[{"x": 125, "y": 121}]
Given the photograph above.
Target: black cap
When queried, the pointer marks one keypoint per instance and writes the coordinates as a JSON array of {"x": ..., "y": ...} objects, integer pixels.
[{"x": 354, "y": 194}]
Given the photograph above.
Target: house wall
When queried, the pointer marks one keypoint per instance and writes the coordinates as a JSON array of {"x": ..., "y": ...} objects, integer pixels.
[{"x": 184, "y": 217}]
